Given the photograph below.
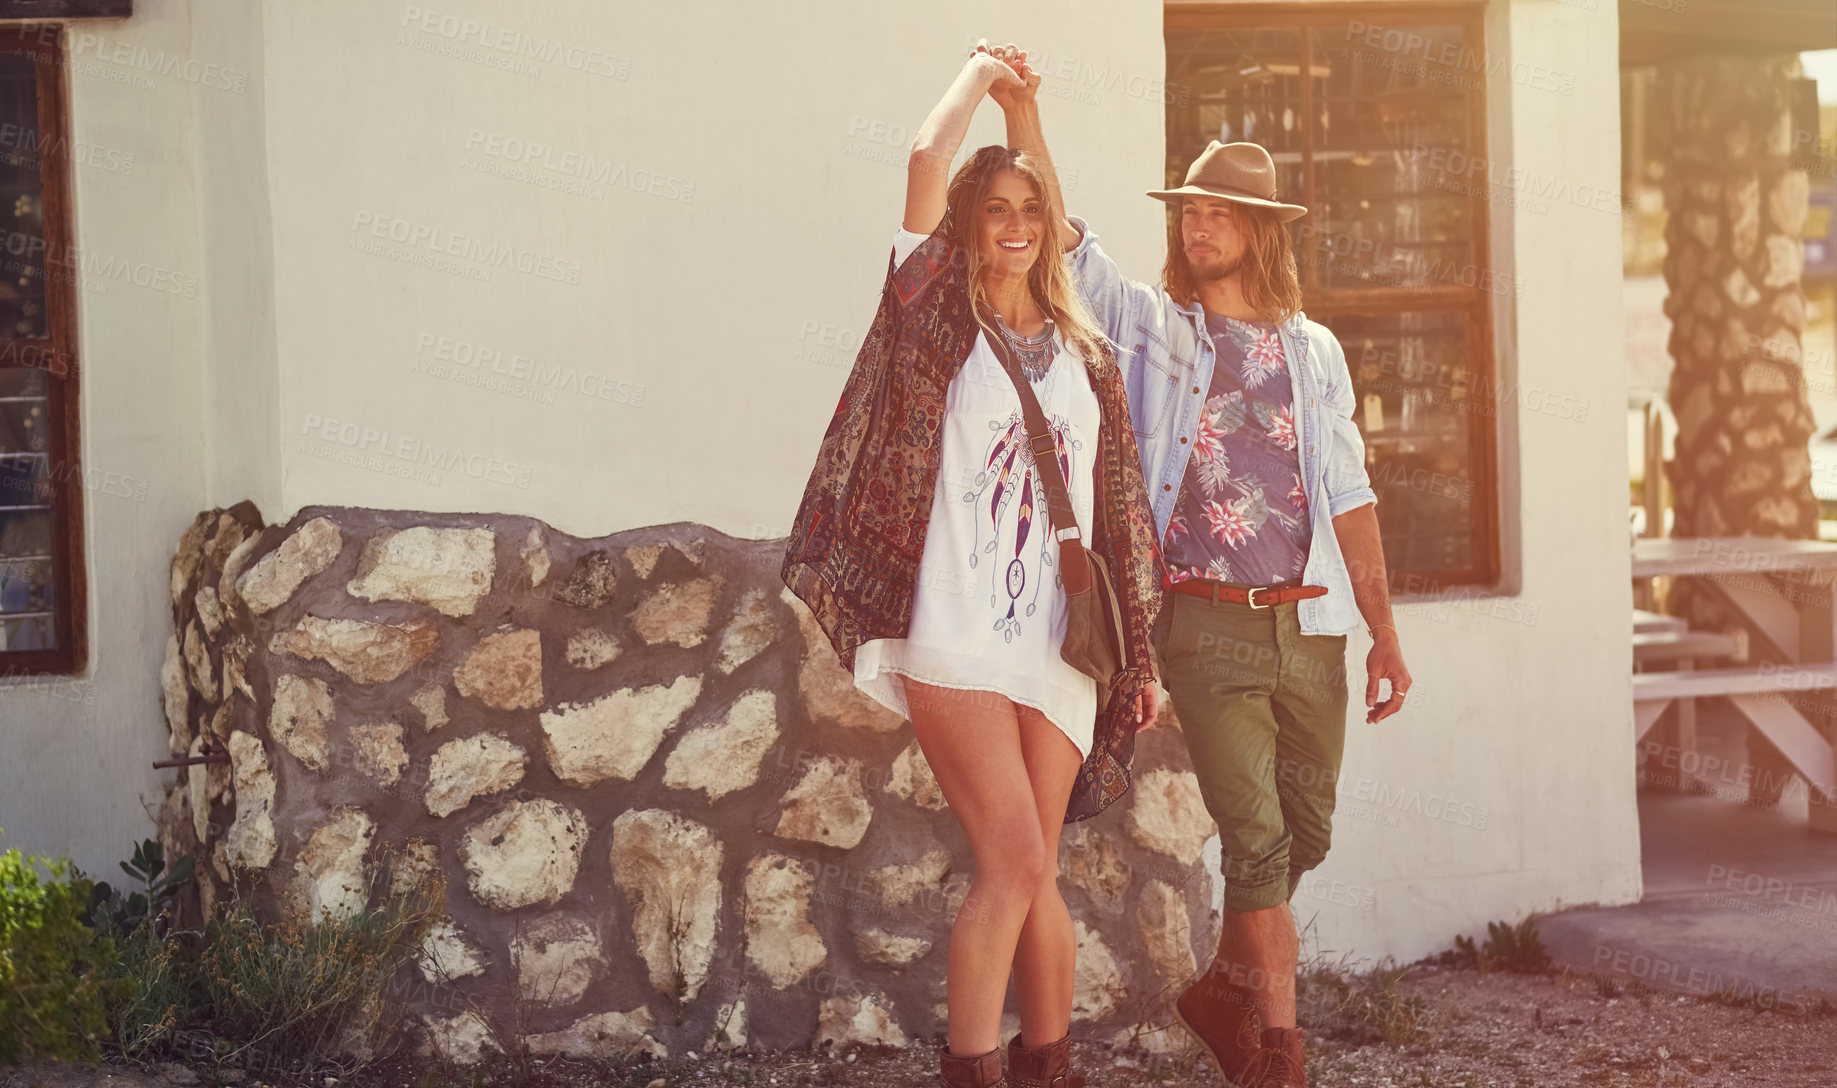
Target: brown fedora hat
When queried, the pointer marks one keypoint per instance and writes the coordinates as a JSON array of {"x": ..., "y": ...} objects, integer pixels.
[{"x": 1241, "y": 172}]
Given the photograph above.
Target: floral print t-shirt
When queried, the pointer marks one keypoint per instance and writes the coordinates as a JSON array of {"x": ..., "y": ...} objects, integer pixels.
[{"x": 1242, "y": 515}]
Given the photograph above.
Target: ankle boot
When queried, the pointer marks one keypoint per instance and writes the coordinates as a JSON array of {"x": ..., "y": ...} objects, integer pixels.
[
  {"x": 1049, "y": 1066},
  {"x": 979, "y": 1071}
]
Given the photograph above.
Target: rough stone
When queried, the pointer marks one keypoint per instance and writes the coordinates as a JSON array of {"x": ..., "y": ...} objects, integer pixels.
[
  {"x": 236, "y": 667},
  {"x": 590, "y": 647},
  {"x": 328, "y": 881},
  {"x": 415, "y": 864},
  {"x": 670, "y": 870},
  {"x": 557, "y": 957},
  {"x": 616, "y": 735},
  {"x": 1739, "y": 290},
  {"x": 591, "y": 582},
  {"x": 369, "y": 653},
  {"x": 912, "y": 780},
  {"x": 1742, "y": 205},
  {"x": 449, "y": 954},
  {"x": 827, "y": 689},
  {"x": 729, "y": 1027},
  {"x": 210, "y": 610},
  {"x": 379, "y": 751},
  {"x": 461, "y": 1039},
  {"x": 747, "y": 634},
  {"x": 199, "y": 789},
  {"x": 526, "y": 853},
  {"x": 535, "y": 556},
  {"x": 862, "y": 1020},
  {"x": 185, "y": 560},
  {"x": 176, "y": 696},
  {"x": 301, "y": 713},
  {"x": 899, "y": 885},
  {"x": 1093, "y": 860},
  {"x": 643, "y": 558},
  {"x": 272, "y": 581},
  {"x": 780, "y": 940},
  {"x": 1785, "y": 261},
  {"x": 877, "y": 946},
  {"x": 471, "y": 767},
  {"x": 198, "y": 665},
  {"x": 431, "y": 702},
  {"x": 232, "y": 570},
  {"x": 1167, "y": 933},
  {"x": 1098, "y": 987},
  {"x": 1789, "y": 202},
  {"x": 1169, "y": 815},
  {"x": 677, "y": 613},
  {"x": 827, "y": 805},
  {"x": 250, "y": 843},
  {"x": 504, "y": 670},
  {"x": 721, "y": 758},
  {"x": 601, "y": 1035},
  {"x": 449, "y": 570}
]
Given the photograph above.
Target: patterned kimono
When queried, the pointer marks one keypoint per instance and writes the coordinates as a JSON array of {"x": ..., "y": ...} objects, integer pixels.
[{"x": 854, "y": 551}]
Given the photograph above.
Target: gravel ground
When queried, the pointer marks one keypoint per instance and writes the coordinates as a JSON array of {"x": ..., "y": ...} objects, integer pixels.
[{"x": 1482, "y": 1031}]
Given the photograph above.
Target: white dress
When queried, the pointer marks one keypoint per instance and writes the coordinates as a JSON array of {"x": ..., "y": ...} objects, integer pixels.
[{"x": 988, "y": 612}]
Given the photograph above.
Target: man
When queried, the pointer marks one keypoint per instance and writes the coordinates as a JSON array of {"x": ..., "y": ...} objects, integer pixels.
[{"x": 1243, "y": 415}]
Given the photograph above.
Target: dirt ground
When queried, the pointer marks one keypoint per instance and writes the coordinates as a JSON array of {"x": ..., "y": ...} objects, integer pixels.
[{"x": 1482, "y": 1031}]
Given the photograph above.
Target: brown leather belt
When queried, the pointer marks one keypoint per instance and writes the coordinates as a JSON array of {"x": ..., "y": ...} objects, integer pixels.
[{"x": 1254, "y": 596}]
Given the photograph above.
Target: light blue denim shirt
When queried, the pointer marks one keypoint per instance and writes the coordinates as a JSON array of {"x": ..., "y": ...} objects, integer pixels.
[{"x": 1167, "y": 360}]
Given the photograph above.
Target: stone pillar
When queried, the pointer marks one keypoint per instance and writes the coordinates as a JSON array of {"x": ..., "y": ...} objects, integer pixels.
[{"x": 1733, "y": 261}]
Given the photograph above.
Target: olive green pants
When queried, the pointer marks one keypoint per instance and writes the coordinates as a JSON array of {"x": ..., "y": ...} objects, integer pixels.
[{"x": 1263, "y": 710}]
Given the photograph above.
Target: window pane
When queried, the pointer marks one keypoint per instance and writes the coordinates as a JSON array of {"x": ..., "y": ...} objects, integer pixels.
[
  {"x": 22, "y": 223},
  {"x": 1417, "y": 393},
  {"x": 1244, "y": 85},
  {"x": 1390, "y": 115},
  {"x": 27, "y": 586}
]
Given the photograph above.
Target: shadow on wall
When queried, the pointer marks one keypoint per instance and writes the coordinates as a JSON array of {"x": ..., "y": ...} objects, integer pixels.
[{"x": 668, "y": 820}]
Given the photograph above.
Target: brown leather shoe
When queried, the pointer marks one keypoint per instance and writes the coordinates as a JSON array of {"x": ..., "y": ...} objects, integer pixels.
[
  {"x": 1225, "y": 1020},
  {"x": 978, "y": 1071},
  {"x": 1049, "y": 1066},
  {"x": 1283, "y": 1063}
]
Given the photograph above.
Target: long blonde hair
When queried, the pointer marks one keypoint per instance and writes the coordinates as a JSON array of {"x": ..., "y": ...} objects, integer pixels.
[
  {"x": 1272, "y": 285},
  {"x": 1049, "y": 280}
]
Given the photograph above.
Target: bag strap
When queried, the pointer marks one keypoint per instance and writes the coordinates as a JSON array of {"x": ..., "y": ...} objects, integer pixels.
[{"x": 1039, "y": 437}]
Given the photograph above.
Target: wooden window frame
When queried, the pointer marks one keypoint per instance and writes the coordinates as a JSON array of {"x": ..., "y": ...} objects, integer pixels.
[
  {"x": 56, "y": 355},
  {"x": 1476, "y": 302}
]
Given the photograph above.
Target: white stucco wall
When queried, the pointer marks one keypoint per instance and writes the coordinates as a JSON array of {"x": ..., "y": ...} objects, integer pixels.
[{"x": 687, "y": 322}]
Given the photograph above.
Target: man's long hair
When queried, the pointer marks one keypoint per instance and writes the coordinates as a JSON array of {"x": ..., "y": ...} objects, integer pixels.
[
  {"x": 1272, "y": 285},
  {"x": 1049, "y": 280}
]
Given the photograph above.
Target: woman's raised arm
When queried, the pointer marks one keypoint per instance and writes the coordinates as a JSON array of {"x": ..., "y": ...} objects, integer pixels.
[{"x": 928, "y": 169}]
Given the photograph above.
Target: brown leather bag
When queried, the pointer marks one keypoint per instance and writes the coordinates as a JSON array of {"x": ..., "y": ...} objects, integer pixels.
[{"x": 1094, "y": 637}]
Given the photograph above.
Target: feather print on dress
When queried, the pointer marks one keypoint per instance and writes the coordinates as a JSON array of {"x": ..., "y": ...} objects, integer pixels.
[{"x": 1024, "y": 496}]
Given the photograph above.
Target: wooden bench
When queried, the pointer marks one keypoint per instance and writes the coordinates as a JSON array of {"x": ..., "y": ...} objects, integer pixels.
[
  {"x": 1654, "y": 647},
  {"x": 1645, "y": 622},
  {"x": 1756, "y": 693}
]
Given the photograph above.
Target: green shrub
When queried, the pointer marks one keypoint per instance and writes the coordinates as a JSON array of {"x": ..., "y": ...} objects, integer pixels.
[
  {"x": 304, "y": 990},
  {"x": 1359, "y": 1007},
  {"x": 54, "y": 978},
  {"x": 159, "y": 888},
  {"x": 1517, "y": 949}
]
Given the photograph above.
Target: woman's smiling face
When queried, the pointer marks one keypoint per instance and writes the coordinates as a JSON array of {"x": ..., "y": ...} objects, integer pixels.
[{"x": 1011, "y": 222}]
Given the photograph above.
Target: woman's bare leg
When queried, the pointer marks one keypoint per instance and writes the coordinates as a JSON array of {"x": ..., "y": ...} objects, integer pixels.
[
  {"x": 1046, "y": 953},
  {"x": 973, "y": 742}
]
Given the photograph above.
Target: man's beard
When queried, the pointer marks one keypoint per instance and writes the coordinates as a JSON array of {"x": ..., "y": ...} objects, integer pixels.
[{"x": 1216, "y": 269}]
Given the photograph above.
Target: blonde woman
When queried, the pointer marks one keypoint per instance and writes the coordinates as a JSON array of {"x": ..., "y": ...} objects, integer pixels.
[{"x": 923, "y": 547}]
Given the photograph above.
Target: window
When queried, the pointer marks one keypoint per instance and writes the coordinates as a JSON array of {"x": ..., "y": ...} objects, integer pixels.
[
  {"x": 41, "y": 591},
  {"x": 1374, "y": 117}
]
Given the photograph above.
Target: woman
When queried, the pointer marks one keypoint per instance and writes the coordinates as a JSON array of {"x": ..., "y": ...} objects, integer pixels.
[{"x": 923, "y": 549}]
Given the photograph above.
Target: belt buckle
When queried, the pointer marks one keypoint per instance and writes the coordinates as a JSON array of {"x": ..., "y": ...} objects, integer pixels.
[{"x": 1250, "y": 597}]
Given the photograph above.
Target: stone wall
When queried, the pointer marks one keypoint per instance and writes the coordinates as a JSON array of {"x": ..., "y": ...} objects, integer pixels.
[{"x": 667, "y": 819}]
